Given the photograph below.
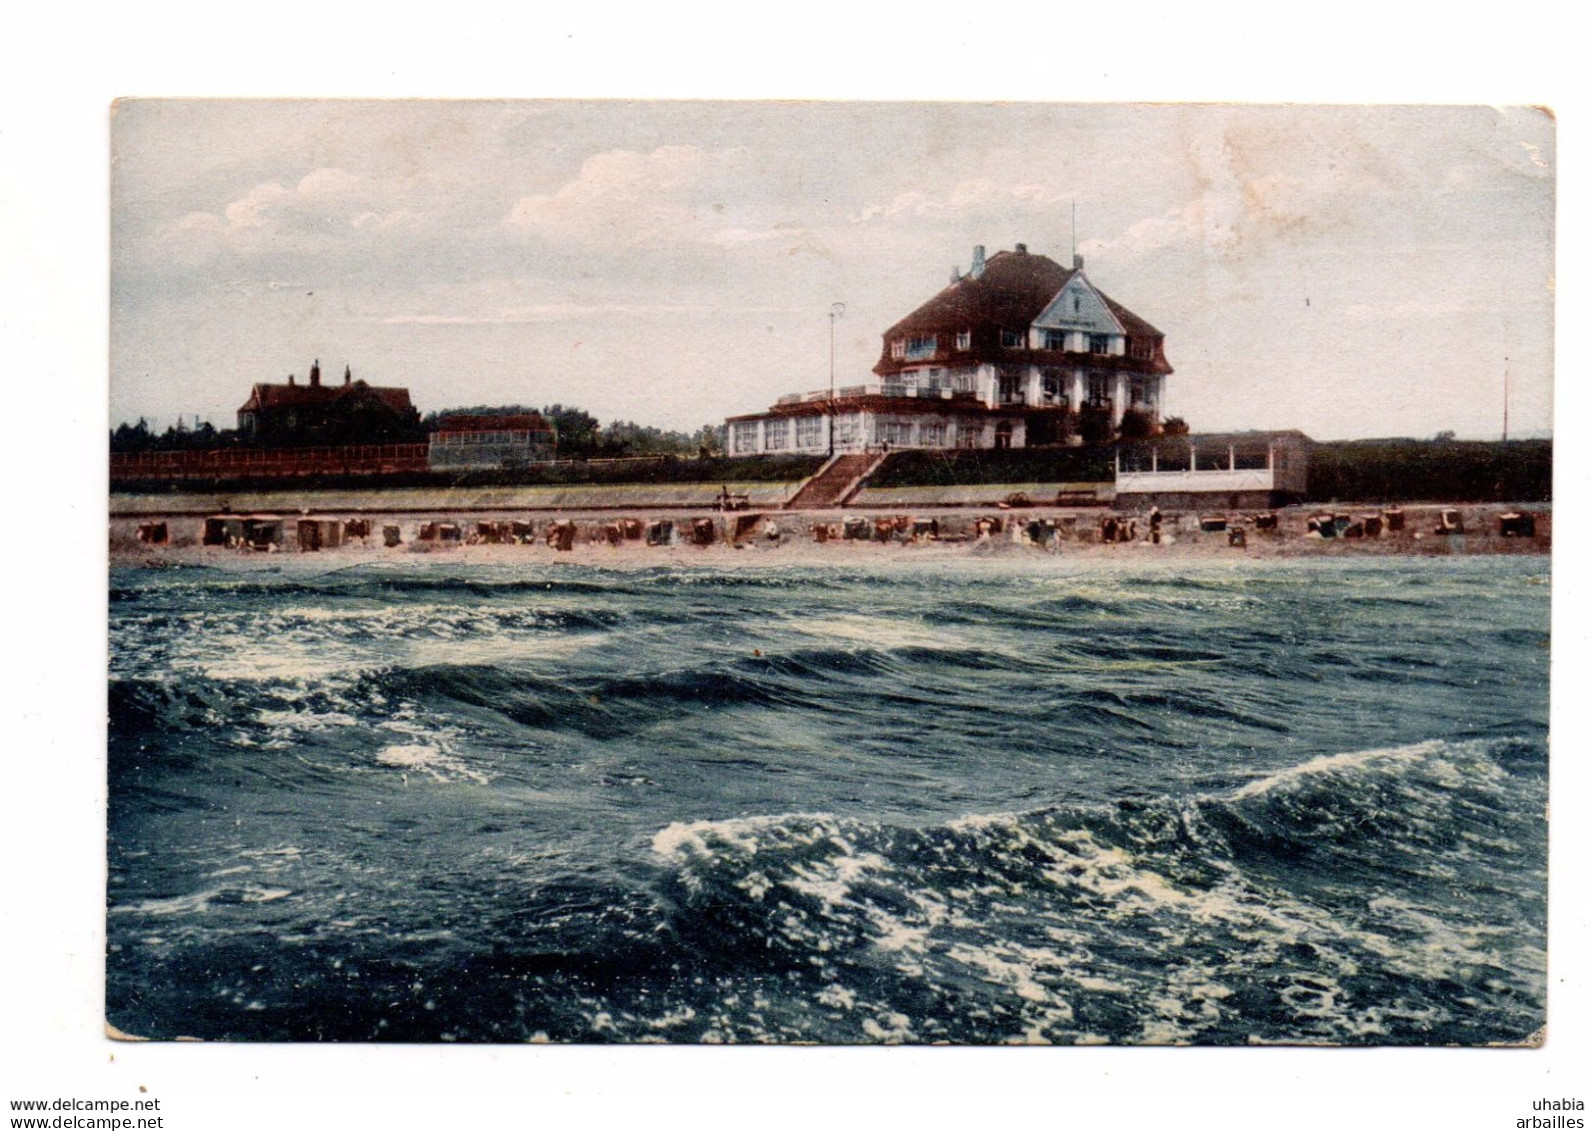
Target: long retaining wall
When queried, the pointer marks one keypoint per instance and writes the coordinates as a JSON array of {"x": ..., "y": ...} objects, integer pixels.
[
  {"x": 395, "y": 500},
  {"x": 984, "y": 495}
]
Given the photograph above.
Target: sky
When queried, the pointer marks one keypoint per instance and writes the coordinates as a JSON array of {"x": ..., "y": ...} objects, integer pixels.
[{"x": 1350, "y": 271}]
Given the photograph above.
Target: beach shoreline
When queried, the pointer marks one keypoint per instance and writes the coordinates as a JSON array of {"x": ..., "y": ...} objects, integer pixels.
[{"x": 791, "y": 537}]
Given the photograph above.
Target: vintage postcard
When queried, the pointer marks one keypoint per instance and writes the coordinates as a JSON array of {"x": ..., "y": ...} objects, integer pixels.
[{"x": 841, "y": 573}]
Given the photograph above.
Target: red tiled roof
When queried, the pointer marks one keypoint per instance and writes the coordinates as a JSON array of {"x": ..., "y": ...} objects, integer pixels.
[
  {"x": 1013, "y": 290},
  {"x": 266, "y": 396},
  {"x": 466, "y": 422}
]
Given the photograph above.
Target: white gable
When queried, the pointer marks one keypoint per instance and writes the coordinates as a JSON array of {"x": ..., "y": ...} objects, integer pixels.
[{"x": 1078, "y": 306}]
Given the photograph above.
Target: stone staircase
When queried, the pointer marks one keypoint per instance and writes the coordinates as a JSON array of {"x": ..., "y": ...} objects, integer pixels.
[{"x": 834, "y": 483}]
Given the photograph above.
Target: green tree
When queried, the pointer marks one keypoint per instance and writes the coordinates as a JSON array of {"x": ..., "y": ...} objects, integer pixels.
[{"x": 1136, "y": 424}]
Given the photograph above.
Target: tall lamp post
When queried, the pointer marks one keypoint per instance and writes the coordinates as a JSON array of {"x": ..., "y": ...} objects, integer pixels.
[{"x": 837, "y": 309}]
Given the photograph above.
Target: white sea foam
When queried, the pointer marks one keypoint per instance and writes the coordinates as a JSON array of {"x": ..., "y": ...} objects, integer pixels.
[
  {"x": 1333, "y": 763},
  {"x": 430, "y": 760}
]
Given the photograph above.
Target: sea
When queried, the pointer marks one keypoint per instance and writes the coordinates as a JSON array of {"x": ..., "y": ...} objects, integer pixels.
[{"x": 1014, "y": 799}]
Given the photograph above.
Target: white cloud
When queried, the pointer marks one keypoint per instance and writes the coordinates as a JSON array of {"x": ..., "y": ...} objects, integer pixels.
[
  {"x": 321, "y": 205},
  {"x": 564, "y": 311},
  {"x": 675, "y": 195},
  {"x": 969, "y": 198}
]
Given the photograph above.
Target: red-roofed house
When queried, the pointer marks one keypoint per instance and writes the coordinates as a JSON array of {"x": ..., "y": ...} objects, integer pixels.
[
  {"x": 462, "y": 440},
  {"x": 294, "y": 415},
  {"x": 1013, "y": 352}
]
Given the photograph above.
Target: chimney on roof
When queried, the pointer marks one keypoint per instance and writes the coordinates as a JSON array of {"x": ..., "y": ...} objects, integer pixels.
[
  {"x": 978, "y": 268},
  {"x": 1021, "y": 248},
  {"x": 1079, "y": 262},
  {"x": 315, "y": 374},
  {"x": 955, "y": 275},
  {"x": 348, "y": 375},
  {"x": 290, "y": 379}
]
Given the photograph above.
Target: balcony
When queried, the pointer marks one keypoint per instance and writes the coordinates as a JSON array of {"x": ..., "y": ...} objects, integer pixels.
[{"x": 883, "y": 389}]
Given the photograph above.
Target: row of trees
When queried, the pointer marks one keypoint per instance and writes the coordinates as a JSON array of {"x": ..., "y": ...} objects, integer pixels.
[
  {"x": 202, "y": 437},
  {"x": 580, "y": 435}
]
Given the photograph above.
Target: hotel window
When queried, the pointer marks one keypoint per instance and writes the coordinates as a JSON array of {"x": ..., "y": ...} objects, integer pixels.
[
  {"x": 1100, "y": 390},
  {"x": 1139, "y": 393},
  {"x": 1140, "y": 351},
  {"x": 921, "y": 349},
  {"x": 808, "y": 431},
  {"x": 775, "y": 435},
  {"x": 1056, "y": 339},
  {"x": 965, "y": 339},
  {"x": 898, "y": 348},
  {"x": 1054, "y": 389},
  {"x": 1099, "y": 343},
  {"x": 744, "y": 436},
  {"x": 1009, "y": 387},
  {"x": 848, "y": 428},
  {"x": 896, "y": 433},
  {"x": 932, "y": 435},
  {"x": 1012, "y": 339},
  {"x": 963, "y": 382}
]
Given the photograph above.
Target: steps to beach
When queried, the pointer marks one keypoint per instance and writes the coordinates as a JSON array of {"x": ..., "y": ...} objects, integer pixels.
[{"x": 836, "y": 482}]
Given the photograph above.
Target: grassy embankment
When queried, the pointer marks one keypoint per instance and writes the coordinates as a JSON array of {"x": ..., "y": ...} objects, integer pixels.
[
  {"x": 1386, "y": 470},
  {"x": 980, "y": 466},
  {"x": 1389, "y": 470},
  {"x": 651, "y": 472},
  {"x": 1434, "y": 471}
]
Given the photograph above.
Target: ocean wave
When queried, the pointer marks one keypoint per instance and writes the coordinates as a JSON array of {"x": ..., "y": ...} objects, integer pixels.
[{"x": 1041, "y": 923}]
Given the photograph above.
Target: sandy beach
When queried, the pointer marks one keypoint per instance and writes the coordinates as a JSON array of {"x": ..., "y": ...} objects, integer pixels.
[{"x": 793, "y": 537}]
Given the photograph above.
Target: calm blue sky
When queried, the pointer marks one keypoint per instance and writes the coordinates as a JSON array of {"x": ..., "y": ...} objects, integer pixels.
[{"x": 1349, "y": 271}]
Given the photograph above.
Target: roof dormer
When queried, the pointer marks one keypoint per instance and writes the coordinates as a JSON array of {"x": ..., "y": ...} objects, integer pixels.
[{"x": 1079, "y": 306}]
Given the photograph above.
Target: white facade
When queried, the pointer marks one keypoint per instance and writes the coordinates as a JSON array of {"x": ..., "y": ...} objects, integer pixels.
[
  {"x": 858, "y": 428},
  {"x": 1089, "y": 361},
  {"x": 1222, "y": 465}
]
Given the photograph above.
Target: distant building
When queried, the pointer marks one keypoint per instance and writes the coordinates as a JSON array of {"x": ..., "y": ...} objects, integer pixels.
[
  {"x": 294, "y": 415},
  {"x": 1215, "y": 471},
  {"x": 464, "y": 441},
  {"x": 1019, "y": 350}
]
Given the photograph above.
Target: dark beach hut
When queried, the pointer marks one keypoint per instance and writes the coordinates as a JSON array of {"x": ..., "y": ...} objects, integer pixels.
[
  {"x": 262, "y": 532},
  {"x": 319, "y": 534},
  {"x": 222, "y": 530},
  {"x": 1516, "y": 524},
  {"x": 562, "y": 535},
  {"x": 703, "y": 532}
]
